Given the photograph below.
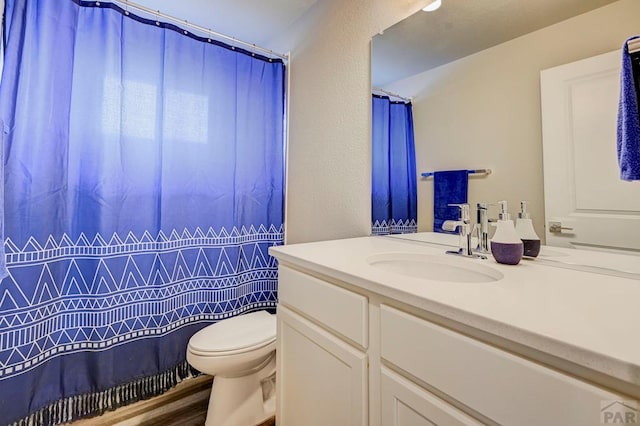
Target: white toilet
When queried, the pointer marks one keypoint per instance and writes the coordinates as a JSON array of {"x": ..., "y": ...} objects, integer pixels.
[{"x": 241, "y": 353}]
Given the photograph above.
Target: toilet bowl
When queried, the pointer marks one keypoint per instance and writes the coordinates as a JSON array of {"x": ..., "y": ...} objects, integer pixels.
[{"x": 240, "y": 353}]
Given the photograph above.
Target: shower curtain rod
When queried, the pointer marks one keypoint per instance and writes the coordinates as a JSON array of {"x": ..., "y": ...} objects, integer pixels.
[
  {"x": 395, "y": 95},
  {"x": 634, "y": 45},
  {"x": 183, "y": 22}
]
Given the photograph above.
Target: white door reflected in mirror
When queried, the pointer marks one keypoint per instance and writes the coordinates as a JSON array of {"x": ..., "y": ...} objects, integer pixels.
[{"x": 587, "y": 203}]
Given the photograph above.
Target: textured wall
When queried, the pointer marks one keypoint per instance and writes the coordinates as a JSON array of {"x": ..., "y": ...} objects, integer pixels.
[
  {"x": 484, "y": 110},
  {"x": 329, "y": 158}
]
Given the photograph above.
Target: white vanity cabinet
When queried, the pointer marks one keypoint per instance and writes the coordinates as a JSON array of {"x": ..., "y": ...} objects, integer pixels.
[
  {"x": 493, "y": 385},
  {"x": 403, "y": 403},
  {"x": 322, "y": 363},
  {"x": 350, "y": 356}
]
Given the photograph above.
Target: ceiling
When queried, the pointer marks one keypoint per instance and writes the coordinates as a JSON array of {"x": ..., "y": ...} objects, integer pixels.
[
  {"x": 460, "y": 28},
  {"x": 421, "y": 42},
  {"x": 252, "y": 21}
]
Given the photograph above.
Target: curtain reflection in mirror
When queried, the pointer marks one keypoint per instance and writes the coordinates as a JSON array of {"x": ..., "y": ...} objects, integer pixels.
[{"x": 394, "y": 180}]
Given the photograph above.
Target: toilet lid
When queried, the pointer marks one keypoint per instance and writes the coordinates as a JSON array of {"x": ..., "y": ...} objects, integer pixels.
[{"x": 236, "y": 333}]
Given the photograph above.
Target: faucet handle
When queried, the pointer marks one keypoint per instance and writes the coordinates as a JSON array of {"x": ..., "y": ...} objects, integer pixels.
[
  {"x": 482, "y": 214},
  {"x": 485, "y": 206},
  {"x": 464, "y": 211}
]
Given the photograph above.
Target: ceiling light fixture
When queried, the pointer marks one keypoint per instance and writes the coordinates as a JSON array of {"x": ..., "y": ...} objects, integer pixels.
[{"x": 434, "y": 5}]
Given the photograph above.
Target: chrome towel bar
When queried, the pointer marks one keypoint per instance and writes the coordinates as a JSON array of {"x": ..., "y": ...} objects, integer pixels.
[{"x": 476, "y": 171}]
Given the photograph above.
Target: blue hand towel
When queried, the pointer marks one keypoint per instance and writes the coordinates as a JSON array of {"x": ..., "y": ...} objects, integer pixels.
[
  {"x": 629, "y": 118},
  {"x": 449, "y": 187}
]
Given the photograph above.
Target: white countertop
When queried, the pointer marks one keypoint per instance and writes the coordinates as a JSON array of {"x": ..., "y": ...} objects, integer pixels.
[
  {"x": 591, "y": 320},
  {"x": 597, "y": 261}
]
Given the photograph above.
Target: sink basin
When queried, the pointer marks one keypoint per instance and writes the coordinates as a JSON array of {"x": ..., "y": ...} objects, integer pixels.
[{"x": 435, "y": 268}]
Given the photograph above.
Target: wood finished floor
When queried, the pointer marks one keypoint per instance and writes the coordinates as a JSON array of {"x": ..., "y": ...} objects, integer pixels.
[
  {"x": 184, "y": 405},
  {"x": 192, "y": 418},
  {"x": 193, "y": 415}
]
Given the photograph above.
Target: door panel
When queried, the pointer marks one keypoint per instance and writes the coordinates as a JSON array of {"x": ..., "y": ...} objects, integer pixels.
[
  {"x": 583, "y": 189},
  {"x": 321, "y": 379},
  {"x": 406, "y": 404}
]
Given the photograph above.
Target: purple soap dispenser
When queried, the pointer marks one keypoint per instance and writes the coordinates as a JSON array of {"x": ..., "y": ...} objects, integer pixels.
[
  {"x": 526, "y": 232},
  {"x": 506, "y": 245}
]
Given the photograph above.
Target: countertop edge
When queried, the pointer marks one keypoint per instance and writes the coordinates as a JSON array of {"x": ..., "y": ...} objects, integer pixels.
[{"x": 592, "y": 366}]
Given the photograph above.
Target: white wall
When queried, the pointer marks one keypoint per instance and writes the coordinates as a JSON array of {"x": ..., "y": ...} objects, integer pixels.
[
  {"x": 329, "y": 164},
  {"x": 484, "y": 110}
]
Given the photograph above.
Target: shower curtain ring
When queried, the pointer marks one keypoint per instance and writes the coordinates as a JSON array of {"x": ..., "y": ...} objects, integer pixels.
[
  {"x": 210, "y": 36},
  {"x": 126, "y": 7},
  {"x": 157, "y": 17}
]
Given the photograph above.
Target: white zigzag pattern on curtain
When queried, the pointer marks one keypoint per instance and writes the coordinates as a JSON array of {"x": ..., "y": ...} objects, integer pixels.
[
  {"x": 394, "y": 227},
  {"x": 132, "y": 288}
]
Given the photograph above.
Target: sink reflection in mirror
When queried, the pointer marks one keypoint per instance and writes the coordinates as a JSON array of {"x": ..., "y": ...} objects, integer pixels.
[{"x": 434, "y": 268}]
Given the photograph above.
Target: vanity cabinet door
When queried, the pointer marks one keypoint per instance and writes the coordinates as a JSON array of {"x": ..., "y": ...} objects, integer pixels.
[
  {"x": 321, "y": 380},
  {"x": 499, "y": 385},
  {"x": 403, "y": 403}
]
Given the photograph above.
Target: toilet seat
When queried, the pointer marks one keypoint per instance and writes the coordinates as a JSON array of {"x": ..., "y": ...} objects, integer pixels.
[
  {"x": 216, "y": 354},
  {"x": 244, "y": 333}
]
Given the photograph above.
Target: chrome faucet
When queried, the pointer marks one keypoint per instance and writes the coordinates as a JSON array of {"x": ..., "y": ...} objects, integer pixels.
[
  {"x": 464, "y": 232},
  {"x": 482, "y": 227}
]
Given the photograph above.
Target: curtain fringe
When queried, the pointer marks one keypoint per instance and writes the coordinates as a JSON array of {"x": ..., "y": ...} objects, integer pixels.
[{"x": 95, "y": 404}]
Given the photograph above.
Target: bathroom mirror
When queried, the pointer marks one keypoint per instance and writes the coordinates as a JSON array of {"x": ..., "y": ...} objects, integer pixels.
[{"x": 473, "y": 71}]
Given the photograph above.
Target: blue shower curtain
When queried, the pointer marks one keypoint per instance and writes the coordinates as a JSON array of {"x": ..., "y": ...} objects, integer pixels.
[
  {"x": 394, "y": 181},
  {"x": 143, "y": 185}
]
